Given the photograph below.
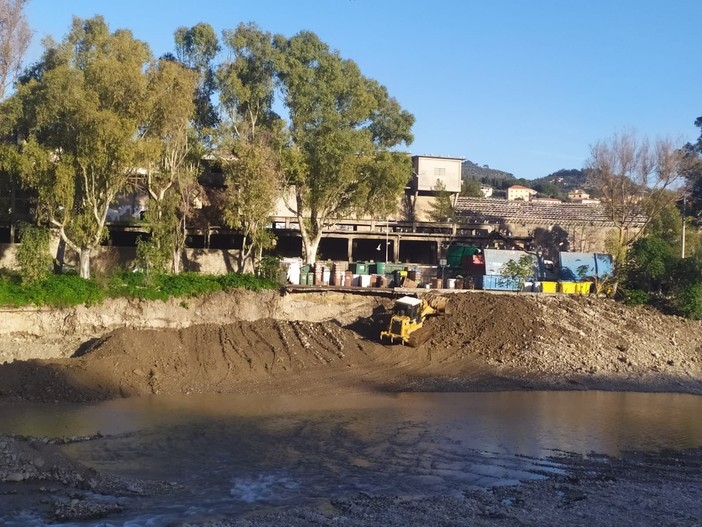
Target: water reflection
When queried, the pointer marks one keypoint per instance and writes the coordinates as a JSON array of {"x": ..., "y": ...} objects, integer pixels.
[
  {"x": 526, "y": 423},
  {"x": 233, "y": 453}
]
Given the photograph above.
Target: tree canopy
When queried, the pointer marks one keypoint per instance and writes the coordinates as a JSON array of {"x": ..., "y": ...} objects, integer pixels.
[
  {"x": 637, "y": 180},
  {"x": 80, "y": 122}
]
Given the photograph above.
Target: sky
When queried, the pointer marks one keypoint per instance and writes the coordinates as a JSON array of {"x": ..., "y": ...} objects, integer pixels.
[{"x": 521, "y": 86}]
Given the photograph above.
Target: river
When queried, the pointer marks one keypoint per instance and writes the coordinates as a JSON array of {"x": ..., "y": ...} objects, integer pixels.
[{"x": 230, "y": 454}]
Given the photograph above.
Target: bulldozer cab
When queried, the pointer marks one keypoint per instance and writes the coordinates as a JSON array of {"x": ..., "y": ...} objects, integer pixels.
[{"x": 408, "y": 306}]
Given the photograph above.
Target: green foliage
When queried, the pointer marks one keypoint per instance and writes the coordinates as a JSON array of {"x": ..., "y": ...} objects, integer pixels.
[
  {"x": 471, "y": 188},
  {"x": 245, "y": 281},
  {"x": 441, "y": 207},
  {"x": 69, "y": 289},
  {"x": 81, "y": 117},
  {"x": 341, "y": 124},
  {"x": 649, "y": 264},
  {"x": 689, "y": 301},
  {"x": 55, "y": 291},
  {"x": 517, "y": 272},
  {"x": 33, "y": 257},
  {"x": 268, "y": 268},
  {"x": 636, "y": 297},
  {"x": 152, "y": 256}
]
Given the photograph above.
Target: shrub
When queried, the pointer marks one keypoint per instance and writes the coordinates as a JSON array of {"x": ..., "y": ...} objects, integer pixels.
[
  {"x": 636, "y": 297},
  {"x": 33, "y": 257},
  {"x": 689, "y": 302}
]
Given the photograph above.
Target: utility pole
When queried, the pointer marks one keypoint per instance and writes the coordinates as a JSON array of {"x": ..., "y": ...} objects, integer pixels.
[{"x": 683, "y": 224}]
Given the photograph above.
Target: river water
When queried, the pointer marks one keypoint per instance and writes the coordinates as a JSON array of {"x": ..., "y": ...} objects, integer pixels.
[{"x": 230, "y": 455}]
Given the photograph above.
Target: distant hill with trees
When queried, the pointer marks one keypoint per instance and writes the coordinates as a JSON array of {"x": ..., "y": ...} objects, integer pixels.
[{"x": 557, "y": 184}]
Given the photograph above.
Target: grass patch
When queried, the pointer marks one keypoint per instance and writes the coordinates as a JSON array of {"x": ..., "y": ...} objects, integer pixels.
[{"x": 70, "y": 290}]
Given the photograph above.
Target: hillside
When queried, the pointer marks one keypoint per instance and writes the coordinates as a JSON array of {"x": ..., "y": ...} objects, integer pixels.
[
  {"x": 484, "y": 173},
  {"x": 556, "y": 184}
]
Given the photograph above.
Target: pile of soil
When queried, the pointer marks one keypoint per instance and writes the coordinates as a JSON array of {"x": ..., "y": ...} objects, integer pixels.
[{"x": 484, "y": 342}]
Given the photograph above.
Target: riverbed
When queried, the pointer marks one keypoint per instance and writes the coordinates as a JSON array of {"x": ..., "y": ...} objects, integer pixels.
[{"x": 230, "y": 455}]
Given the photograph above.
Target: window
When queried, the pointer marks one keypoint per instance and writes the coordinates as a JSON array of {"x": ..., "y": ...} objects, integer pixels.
[{"x": 439, "y": 172}]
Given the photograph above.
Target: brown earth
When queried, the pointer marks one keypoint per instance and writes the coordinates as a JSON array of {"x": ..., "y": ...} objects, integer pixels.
[
  {"x": 316, "y": 343},
  {"x": 484, "y": 342}
]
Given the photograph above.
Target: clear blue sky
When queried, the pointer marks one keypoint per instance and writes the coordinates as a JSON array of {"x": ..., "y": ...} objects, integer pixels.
[{"x": 522, "y": 86}]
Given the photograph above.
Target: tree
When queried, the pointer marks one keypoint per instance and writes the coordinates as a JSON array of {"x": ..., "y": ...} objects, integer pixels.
[
  {"x": 343, "y": 127},
  {"x": 650, "y": 262},
  {"x": 253, "y": 184},
  {"x": 517, "y": 271},
  {"x": 196, "y": 48},
  {"x": 441, "y": 207},
  {"x": 171, "y": 163},
  {"x": 79, "y": 126},
  {"x": 15, "y": 36},
  {"x": 636, "y": 181},
  {"x": 471, "y": 188},
  {"x": 252, "y": 137},
  {"x": 692, "y": 153}
]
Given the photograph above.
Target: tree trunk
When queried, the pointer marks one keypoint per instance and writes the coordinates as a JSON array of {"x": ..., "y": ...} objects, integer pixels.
[
  {"x": 60, "y": 256},
  {"x": 175, "y": 264},
  {"x": 310, "y": 244},
  {"x": 85, "y": 262}
]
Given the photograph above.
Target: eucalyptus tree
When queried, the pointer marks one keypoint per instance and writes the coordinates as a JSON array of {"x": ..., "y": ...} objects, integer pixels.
[
  {"x": 78, "y": 120},
  {"x": 251, "y": 139},
  {"x": 343, "y": 128},
  {"x": 170, "y": 162},
  {"x": 196, "y": 48}
]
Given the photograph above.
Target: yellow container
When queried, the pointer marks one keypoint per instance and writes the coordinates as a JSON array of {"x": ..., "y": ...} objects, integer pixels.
[
  {"x": 567, "y": 287},
  {"x": 583, "y": 288},
  {"x": 549, "y": 287}
]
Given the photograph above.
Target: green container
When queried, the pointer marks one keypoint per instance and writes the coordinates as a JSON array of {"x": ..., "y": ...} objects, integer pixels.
[
  {"x": 380, "y": 268},
  {"x": 310, "y": 279},
  {"x": 361, "y": 268}
]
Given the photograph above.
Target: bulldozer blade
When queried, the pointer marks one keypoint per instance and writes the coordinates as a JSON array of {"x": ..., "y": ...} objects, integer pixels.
[{"x": 420, "y": 336}]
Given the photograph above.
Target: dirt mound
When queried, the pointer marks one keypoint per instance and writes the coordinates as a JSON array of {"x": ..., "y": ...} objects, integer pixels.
[
  {"x": 575, "y": 339},
  {"x": 198, "y": 359},
  {"x": 485, "y": 342}
]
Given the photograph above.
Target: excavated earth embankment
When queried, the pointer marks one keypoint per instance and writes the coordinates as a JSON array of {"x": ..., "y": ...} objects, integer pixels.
[
  {"x": 484, "y": 342},
  {"x": 319, "y": 343}
]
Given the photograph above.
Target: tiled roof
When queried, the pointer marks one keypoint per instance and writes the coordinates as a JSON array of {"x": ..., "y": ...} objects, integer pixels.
[{"x": 493, "y": 210}]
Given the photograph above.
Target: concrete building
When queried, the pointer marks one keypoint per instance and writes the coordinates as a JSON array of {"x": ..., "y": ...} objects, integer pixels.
[
  {"x": 520, "y": 192},
  {"x": 429, "y": 173}
]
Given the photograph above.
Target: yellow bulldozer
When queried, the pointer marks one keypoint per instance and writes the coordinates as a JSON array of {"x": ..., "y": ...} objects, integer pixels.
[{"x": 406, "y": 324}]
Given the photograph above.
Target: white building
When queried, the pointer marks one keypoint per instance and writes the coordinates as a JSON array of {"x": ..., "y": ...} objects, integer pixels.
[{"x": 519, "y": 192}]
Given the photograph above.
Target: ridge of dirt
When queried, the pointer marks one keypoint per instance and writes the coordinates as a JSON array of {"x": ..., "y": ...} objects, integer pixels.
[{"x": 484, "y": 342}]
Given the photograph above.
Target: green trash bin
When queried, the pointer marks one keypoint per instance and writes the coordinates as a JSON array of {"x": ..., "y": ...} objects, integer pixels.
[
  {"x": 361, "y": 268},
  {"x": 380, "y": 268}
]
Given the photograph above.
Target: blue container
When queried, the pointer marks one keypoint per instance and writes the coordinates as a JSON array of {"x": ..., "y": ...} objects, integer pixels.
[{"x": 493, "y": 282}]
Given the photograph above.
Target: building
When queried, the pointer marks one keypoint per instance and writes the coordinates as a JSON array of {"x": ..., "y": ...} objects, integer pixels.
[
  {"x": 519, "y": 193},
  {"x": 578, "y": 195},
  {"x": 430, "y": 174}
]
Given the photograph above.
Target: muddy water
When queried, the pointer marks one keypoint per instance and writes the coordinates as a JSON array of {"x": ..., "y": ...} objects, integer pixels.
[{"x": 233, "y": 454}]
